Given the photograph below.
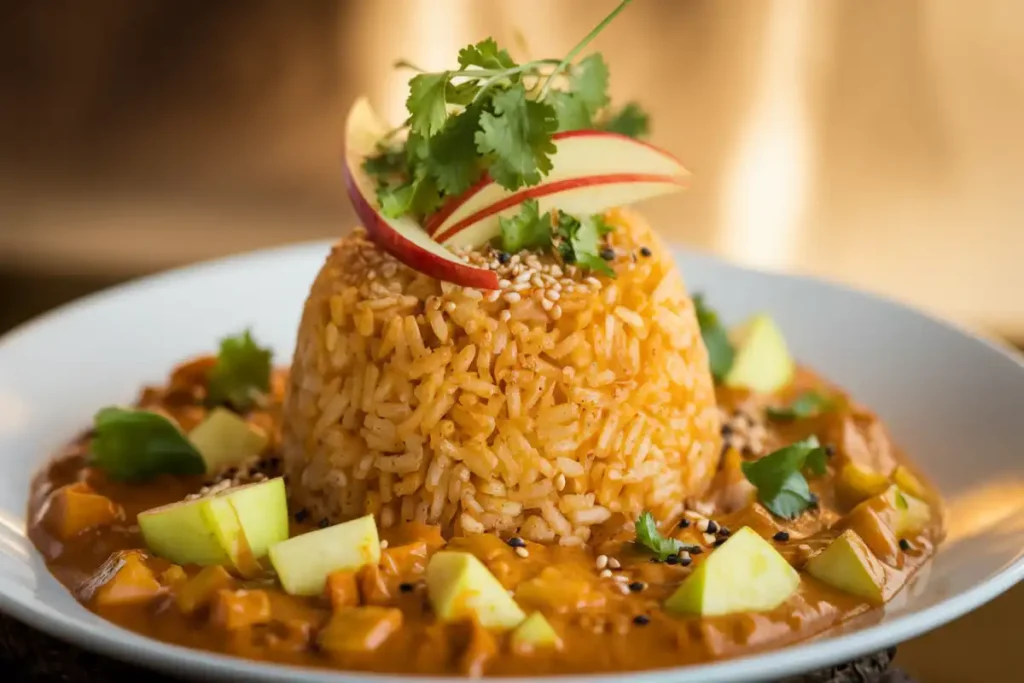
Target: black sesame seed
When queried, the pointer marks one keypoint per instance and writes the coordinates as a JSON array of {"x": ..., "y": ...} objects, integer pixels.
[
  {"x": 654, "y": 560},
  {"x": 830, "y": 450},
  {"x": 684, "y": 523},
  {"x": 516, "y": 542},
  {"x": 724, "y": 531},
  {"x": 301, "y": 515},
  {"x": 696, "y": 550},
  {"x": 608, "y": 254},
  {"x": 748, "y": 452},
  {"x": 720, "y": 541},
  {"x": 637, "y": 586},
  {"x": 641, "y": 620},
  {"x": 645, "y": 252},
  {"x": 672, "y": 559},
  {"x": 504, "y": 257},
  {"x": 685, "y": 561},
  {"x": 814, "y": 500},
  {"x": 712, "y": 526},
  {"x": 323, "y": 523},
  {"x": 904, "y": 545},
  {"x": 406, "y": 587},
  {"x": 726, "y": 430},
  {"x": 230, "y": 473},
  {"x": 781, "y": 536}
]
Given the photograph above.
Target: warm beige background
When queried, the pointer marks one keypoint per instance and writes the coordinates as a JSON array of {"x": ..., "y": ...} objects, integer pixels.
[{"x": 873, "y": 141}]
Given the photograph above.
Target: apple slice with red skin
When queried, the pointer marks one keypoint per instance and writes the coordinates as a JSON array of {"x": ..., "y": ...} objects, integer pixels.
[
  {"x": 403, "y": 238},
  {"x": 592, "y": 171}
]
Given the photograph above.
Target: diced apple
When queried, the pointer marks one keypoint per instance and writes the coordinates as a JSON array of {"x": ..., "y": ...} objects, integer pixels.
[
  {"x": 236, "y": 526},
  {"x": 202, "y": 588},
  {"x": 912, "y": 514},
  {"x": 857, "y": 483},
  {"x": 303, "y": 563},
  {"x": 908, "y": 482},
  {"x": 224, "y": 439},
  {"x": 236, "y": 609},
  {"x": 76, "y": 508},
  {"x": 592, "y": 171},
  {"x": 762, "y": 363},
  {"x": 359, "y": 629},
  {"x": 133, "y": 582},
  {"x": 535, "y": 633},
  {"x": 744, "y": 574},
  {"x": 461, "y": 587},
  {"x": 403, "y": 238},
  {"x": 849, "y": 565}
]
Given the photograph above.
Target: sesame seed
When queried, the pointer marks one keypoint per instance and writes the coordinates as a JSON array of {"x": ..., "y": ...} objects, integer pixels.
[
  {"x": 608, "y": 254},
  {"x": 449, "y": 306},
  {"x": 709, "y": 539},
  {"x": 504, "y": 284},
  {"x": 702, "y": 525},
  {"x": 601, "y": 562},
  {"x": 503, "y": 257},
  {"x": 406, "y": 587},
  {"x": 556, "y": 312},
  {"x": 645, "y": 252},
  {"x": 383, "y": 545},
  {"x": 696, "y": 550},
  {"x": 552, "y": 294},
  {"x": 720, "y": 541},
  {"x": 513, "y": 297},
  {"x": 904, "y": 545},
  {"x": 641, "y": 620},
  {"x": 684, "y": 523},
  {"x": 724, "y": 531},
  {"x": 685, "y": 559},
  {"x": 301, "y": 515},
  {"x": 323, "y": 523},
  {"x": 815, "y": 501},
  {"x": 781, "y": 536},
  {"x": 654, "y": 560},
  {"x": 637, "y": 586},
  {"x": 516, "y": 542},
  {"x": 672, "y": 559},
  {"x": 522, "y": 552},
  {"x": 613, "y": 563},
  {"x": 605, "y": 573},
  {"x": 712, "y": 527},
  {"x": 505, "y": 315},
  {"x": 830, "y": 450},
  {"x": 620, "y": 578}
]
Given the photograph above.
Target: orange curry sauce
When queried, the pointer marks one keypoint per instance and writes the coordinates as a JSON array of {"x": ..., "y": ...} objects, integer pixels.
[{"x": 605, "y": 623}]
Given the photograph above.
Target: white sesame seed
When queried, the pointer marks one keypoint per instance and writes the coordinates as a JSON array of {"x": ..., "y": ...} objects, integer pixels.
[
  {"x": 512, "y": 297},
  {"x": 505, "y": 315},
  {"x": 620, "y": 578},
  {"x": 613, "y": 563},
  {"x": 556, "y": 312},
  {"x": 522, "y": 552},
  {"x": 552, "y": 294},
  {"x": 504, "y": 284},
  {"x": 546, "y": 304},
  {"x": 383, "y": 545},
  {"x": 684, "y": 555},
  {"x": 709, "y": 538},
  {"x": 702, "y": 525},
  {"x": 601, "y": 562},
  {"x": 449, "y": 306},
  {"x": 605, "y": 573}
]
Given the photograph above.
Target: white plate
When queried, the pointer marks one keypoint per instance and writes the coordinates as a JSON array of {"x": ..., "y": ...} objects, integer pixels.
[{"x": 952, "y": 399}]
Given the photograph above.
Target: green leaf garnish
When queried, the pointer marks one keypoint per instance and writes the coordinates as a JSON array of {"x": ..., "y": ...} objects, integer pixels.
[
  {"x": 581, "y": 242},
  {"x": 487, "y": 55},
  {"x": 716, "y": 338},
  {"x": 808, "y": 404},
  {"x": 648, "y": 536},
  {"x": 579, "y": 239},
  {"x": 517, "y": 138},
  {"x": 778, "y": 477},
  {"x": 526, "y": 230},
  {"x": 631, "y": 121},
  {"x": 427, "y": 102},
  {"x": 241, "y": 374},
  {"x": 135, "y": 445}
]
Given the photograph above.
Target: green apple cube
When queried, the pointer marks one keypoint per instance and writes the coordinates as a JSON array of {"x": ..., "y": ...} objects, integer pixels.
[
  {"x": 762, "y": 363},
  {"x": 461, "y": 587},
  {"x": 744, "y": 574},
  {"x": 849, "y": 565},
  {"x": 224, "y": 439},
  {"x": 535, "y": 633},
  {"x": 303, "y": 563},
  {"x": 233, "y": 527},
  {"x": 912, "y": 514}
]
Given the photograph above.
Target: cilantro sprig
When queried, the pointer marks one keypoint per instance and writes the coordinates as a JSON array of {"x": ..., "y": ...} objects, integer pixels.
[
  {"x": 242, "y": 373},
  {"x": 493, "y": 116},
  {"x": 779, "y": 479},
  {"x": 808, "y": 404},
  {"x": 721, "y": 353},
  {"x": 577, "y": 240},
  {"x": 136, "y": 445},
  {"x": 648, "y": 536}
]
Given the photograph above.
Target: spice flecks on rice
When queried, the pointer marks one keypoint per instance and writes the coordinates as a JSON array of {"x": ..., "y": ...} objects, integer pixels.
[{"x": 415, "y": 399}]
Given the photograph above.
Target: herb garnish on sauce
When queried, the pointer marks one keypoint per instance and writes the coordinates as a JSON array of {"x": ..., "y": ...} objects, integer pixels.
[
  {"x": 781, "y": 485},
  {"x": 242, "y": 373},
  {"x": 808, "y": 404},
  {"x": 135, "y": 445},
  {"x": 716, "y": 338},
  {"x": 648, "y": 536}
]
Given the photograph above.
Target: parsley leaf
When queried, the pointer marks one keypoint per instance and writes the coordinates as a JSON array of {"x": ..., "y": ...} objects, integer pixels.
[
  {"x": 453, "y": 162},
  {"x": 808, "y": 404},
  {"x": 135, "y": 445},
  {"x": 485, "y": 55},
  {"x": 571, "y": 111},
  {"x": 517, "y": 138},
  {"x": 581, "y": 242},
  {"x": 631, "y": 120},
  {"x": 588, "y": 82},
  {"x": 241, "y": 373},
  {"x": 781, "y": 486},
  {"x": 716, "y": 338},
  {"x": 648, "y": 536},
  {"x": 427, "y": 102},
  {"x": 526, "y": 230}
]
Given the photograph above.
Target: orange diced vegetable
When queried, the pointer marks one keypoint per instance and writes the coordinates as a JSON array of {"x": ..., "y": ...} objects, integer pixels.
[
  {"x": 240, "y": 608},
  {"x": 404, "y": 562},
  {"x": 359, "y": 629},
  {"x": 132, "y": 583},
  {"x": 202, "y": 588},
  {"x": 173, "y": 576},
  {"x": 374, "y": 586},
  {"x": 76, "y": 508},
  {"x": 342, "y": 589},
  {"x": 480, "y": 649},
  {"x": 411, "y": 532}
]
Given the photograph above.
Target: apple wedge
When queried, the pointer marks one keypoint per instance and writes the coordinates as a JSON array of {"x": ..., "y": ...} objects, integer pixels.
[
  {"x": 403, "y": 238},
  {"x": 592, "y": 171}
]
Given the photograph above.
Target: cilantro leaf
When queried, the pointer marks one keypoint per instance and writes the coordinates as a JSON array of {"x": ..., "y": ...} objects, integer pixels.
[
  {"x": 648, "y": 536},
  {"x": 716, "y": 338},
  {"x": 389, "y": 162},
  {"x": 453, "y": 161},
  {"x": 526, "y": 230},
  {"x": 586, "y": 244},
  {"x": 808, "y": 404},
  {"x": 135, "y": 445},
  {"x": 485, "y": 55},
  {"x": 631, "y": 120},
  {"x": 241, "y": 373},
  {"x": 781, "y": 485},
  {"x": 427, "y": 102},
  {"x": 517, "y": 138},
  {"x": 571, "y": 111},
  {"x": 588, "y": 82}
]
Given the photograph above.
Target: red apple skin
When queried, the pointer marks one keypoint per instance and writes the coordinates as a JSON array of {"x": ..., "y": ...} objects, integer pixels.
[
  {"x": 408, "y": 252},
  {"x": 558, "y": 186}
]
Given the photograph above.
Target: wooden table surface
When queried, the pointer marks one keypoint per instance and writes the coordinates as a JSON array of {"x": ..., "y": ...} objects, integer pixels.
[{"x": 872, "y": 142}]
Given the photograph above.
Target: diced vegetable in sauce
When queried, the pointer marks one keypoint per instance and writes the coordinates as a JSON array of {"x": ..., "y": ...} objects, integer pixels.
[
  {"x": 461, "y": 587},
  {"x": 132, "y": 583},
  {"x": 304, "y": 562},
  {"x": 236, "y": 609},
  {"x": 535, "y": 633},
  {"x": 359, "y": 629},
  {"x": 76, "y": 508},
  {"x": 762, "y": 361},
  {"x": 224, "y": 439},
  {"x": 849, "y": 565},
  {"x": 201, "y": 589}
]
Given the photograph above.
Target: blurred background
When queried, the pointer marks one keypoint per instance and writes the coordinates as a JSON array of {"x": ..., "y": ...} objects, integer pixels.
[{"x": 876, "y": 143}]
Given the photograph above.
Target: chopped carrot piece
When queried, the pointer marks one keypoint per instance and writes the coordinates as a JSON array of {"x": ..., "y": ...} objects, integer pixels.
[
  {"x": 76, "y": 508},
  {"x": 480, "y": 649},
  {"x": 405, "y": 562},
  {"x": 173, "y": 577},
  {"x": 201, "y": 588},
  {"x": 411, "y": 532},
  {"x": 359, "y": 629},
  {"x": 342, "y": 589},
  {"x": 132, "y": 583},
  {"x": 374, "y": 586},
  {"x": 240, "y": 608},
  {"x": 192, "y": 372}
]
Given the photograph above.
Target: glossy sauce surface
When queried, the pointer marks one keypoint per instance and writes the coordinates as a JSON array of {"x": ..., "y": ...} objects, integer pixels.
[{"x": 603, "y": 623}]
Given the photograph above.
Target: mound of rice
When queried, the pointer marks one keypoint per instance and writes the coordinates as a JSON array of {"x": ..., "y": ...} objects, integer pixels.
[{"x": 557, "y": 404}]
